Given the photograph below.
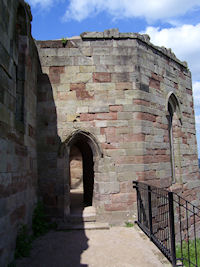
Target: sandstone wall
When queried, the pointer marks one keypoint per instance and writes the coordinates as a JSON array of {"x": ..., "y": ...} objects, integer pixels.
[
  {"x": 163, "y": 74},
  {"x": 106, "y": 93},
  {"x": 116, "y": 87},
  {"x": 18, "y": 160}
]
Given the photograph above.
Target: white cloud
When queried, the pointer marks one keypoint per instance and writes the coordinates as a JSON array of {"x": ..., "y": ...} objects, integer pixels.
[
  {"x": 196, "y": 95},
  {"x": 151, "y": 10},
  {"x": 184, "y": 41},
  {"x": 197, "y": 118}
]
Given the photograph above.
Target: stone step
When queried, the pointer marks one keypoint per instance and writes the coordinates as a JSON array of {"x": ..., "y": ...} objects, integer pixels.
[
  {"x": 84, "y": 226},
  {"x": 78, "y": 218},
  {"x": 88, "y": 214}
]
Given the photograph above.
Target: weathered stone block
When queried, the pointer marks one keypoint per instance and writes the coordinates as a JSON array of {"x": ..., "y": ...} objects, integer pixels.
[
  {"x": 108, "y": 188},
  {"x": 110, "y": 87},
  {"x": 124, "y": 115},
  {"x": 87, "y": 69},
  {"x": 98, "y": 109},
  {"x": 66, "y": 95},
  {"x": 87, "y": 117},
  {"x": 82, "y": 109},
  {"x": 89, "y": 35},
  {"x": 116, "y": 108},
  {"x": 154, "y": 83},
  {"x": 106, "y": 116},
  {"x": 101, "y": 77},
  {"x": 101, "y": 50},
  {"x": 86, "y": 51},
  {"x": 74, "y": 52},
  {"x": 86, "y": 61},
  {"x": 57, "y": 61},
  {"x": 124, "y": 86},
  {"x": 50, "y": 52},
  {"x": 123, "y": 101},
  {"x": 145, "y": 116},
  {"x": 116, "y": 207},
  {"x": 124, "y": 69},
  {"x": 120, "y": 77}
]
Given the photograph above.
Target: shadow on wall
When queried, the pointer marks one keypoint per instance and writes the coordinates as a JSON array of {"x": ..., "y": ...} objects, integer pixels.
[
  {"x": 47, "y": 144},
  {"x": 52, "y": 183}
]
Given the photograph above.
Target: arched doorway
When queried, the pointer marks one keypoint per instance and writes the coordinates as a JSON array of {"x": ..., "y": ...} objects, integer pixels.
[
  {"x": 82, "y": 152},
  {"x": 81, "y": 174}
]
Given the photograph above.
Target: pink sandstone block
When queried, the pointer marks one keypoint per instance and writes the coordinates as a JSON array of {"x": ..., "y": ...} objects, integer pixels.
[{"x": 101, "y": 77}]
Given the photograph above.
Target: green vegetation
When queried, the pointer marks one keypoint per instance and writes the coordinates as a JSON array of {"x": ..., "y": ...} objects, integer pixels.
[
  {"x": 129, "y": 224},
  {"x": 40, "y": 226},
  {"x": 191, "y": 252},
  {"x": 64, "y": 41},
  {"x": 23, "y": 243},
  {"x": 12, "y": 264}
]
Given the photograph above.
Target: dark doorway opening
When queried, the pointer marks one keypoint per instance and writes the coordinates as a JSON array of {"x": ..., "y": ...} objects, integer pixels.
[{"x": 81, "y": 173}]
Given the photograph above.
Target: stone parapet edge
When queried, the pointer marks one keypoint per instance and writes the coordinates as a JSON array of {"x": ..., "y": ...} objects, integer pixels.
[{"x": 115, "y": 34}]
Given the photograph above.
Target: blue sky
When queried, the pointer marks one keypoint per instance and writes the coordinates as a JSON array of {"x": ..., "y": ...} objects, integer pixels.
[{"x": 171, "y": 23}]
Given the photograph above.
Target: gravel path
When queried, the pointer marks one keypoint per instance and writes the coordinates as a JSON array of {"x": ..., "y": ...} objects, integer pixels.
[{"x": 117, "y": 247}]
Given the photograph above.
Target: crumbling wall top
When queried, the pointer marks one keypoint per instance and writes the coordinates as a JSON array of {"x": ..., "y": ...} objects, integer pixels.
[
  {"x": 108, "y": 35},
  {"x": 115, "y": 34}
]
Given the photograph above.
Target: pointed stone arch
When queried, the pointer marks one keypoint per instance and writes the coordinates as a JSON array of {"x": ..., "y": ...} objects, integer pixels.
[
  {"x": 173, "y": 101},
  {"x": 88, "y": 137},
  {"x": 90, "y": 150},
  {"x": 174, "y": 116}
]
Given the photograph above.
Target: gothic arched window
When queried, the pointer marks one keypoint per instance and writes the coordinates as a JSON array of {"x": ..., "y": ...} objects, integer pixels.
[{"x": 174, "y": 127}]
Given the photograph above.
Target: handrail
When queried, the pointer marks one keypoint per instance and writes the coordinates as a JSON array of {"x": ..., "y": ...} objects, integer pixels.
[{"x": 171, "y": 222}]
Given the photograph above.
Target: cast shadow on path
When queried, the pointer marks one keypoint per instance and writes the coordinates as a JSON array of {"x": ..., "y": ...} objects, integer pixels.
[{"x": 57, "y": 249}]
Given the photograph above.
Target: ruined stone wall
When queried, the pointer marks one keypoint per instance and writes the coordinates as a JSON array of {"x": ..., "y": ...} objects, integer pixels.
[
  {"x": 18, "y": 161},
  {"x": 116, "y": 86},
  {"x": 163, "y": 75},
  {"x": 107, "y": 93}
]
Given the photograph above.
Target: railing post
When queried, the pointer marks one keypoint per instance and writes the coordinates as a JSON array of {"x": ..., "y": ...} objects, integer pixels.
[
  {"x": 150, "y": 211},
  {"x": 172, "y": 228},
  {"x": 136, "y": 187}
]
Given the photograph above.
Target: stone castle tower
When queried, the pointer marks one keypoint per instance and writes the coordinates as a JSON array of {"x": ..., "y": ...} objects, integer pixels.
[{"x": 89, "y": 115}]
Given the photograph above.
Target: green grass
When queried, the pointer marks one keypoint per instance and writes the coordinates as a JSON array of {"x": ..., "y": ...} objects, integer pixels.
[
  {"x": 129, "y": 224},
  {"x": 191, "y": 252},
  {"x": 12, "y": 264},
  {"x": 23, "y": 243},
  {"x": 40, "y": 226}
]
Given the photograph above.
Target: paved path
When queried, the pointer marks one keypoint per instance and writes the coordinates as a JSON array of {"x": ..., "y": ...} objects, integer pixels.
[{"x": 117, "y": 247}]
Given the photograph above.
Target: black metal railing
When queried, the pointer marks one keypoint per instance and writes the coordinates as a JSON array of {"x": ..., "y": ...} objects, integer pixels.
[{"x": 171, "y": 222}]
